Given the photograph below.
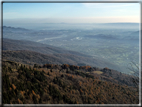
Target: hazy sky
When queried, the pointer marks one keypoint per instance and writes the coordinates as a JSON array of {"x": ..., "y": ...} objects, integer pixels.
[{"x": 71, "y": 12}]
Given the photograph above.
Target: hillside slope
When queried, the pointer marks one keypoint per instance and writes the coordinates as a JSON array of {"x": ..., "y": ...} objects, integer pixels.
[
  {"x": 9, "y": 44},
  {"x": 60, "y": 84},
  {"x": 20, "y": 49},
  {"x": 31, "y": 57}
]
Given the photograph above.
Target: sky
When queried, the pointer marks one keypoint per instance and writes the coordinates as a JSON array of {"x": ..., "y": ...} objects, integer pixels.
[{"x": 71, "y": 12}]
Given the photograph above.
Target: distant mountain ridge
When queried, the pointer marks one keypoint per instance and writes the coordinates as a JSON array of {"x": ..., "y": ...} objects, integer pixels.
[
  {"x": 9, "y": 28},
  {"x": 18, "y": 33},
  {"x": 102, "y": 36},
  {"x": 123, "y": 23},
  {"x": 132, "y": 36}
]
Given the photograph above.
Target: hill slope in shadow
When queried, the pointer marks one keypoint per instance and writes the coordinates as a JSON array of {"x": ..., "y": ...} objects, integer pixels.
[{"x": 33, "y": 52}]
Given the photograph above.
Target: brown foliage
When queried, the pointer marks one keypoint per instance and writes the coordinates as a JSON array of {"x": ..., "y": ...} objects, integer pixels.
[
  {"x": 75, "y": 86},
  {"x": 14, "y": 87},
  {"x": 19, "y": 101}
]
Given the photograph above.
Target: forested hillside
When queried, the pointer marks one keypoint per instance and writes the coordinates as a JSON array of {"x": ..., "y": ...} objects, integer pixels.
[{"x": 64, "y": 84}]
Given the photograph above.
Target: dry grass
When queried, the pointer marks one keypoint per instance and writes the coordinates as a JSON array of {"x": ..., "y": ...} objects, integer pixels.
[
  {"x": 97, "y": 72},
  {"x": 14, "y": 70}
]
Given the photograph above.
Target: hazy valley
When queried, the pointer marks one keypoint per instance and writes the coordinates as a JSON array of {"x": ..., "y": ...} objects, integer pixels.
[{"x": 115, "y": 44}]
